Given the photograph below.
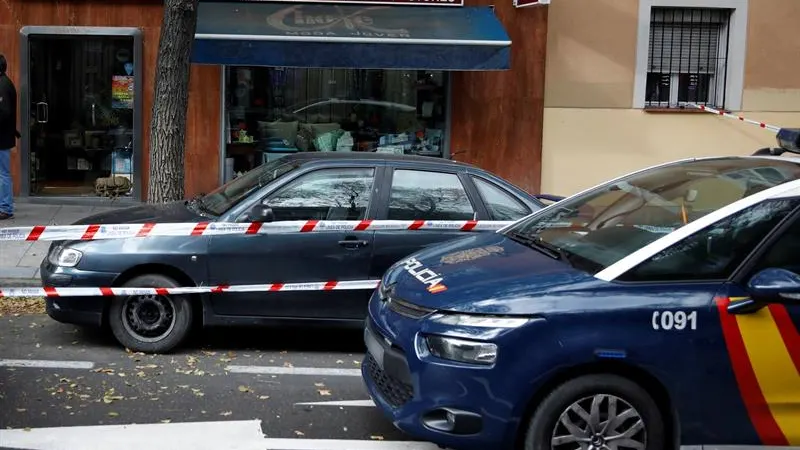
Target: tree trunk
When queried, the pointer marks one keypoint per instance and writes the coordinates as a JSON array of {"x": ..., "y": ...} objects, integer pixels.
[{"x": 168, "y": 125}]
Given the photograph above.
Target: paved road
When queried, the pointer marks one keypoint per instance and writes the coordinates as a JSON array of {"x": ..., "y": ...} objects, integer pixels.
[{"x": 300, "y": 385}]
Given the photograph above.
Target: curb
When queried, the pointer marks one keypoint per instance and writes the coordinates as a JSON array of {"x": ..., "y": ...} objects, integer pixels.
[{"x": 20, "y": 282}]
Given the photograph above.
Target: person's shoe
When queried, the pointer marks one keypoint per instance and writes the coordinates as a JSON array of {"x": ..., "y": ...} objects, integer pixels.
[{"x": 4, "y": 216}]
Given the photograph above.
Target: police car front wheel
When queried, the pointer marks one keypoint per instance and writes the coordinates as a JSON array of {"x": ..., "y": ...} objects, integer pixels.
[{"x": 596, "y": 412}]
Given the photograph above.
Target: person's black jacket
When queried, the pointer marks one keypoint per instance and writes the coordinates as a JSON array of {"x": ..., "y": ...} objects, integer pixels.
[{"x": 8, "y": 113}]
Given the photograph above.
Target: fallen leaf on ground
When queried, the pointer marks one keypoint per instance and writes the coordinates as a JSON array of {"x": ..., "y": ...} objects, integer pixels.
[
  {"x": 299, "y": 433},
  {"x": 319, "y": 384},
  {"x": 113, "y": 414},
  {"x": 226, "y": 413},
  {"x": 376, "y": 438},
  {"x": 263, "y": 397},
  {"x": 166, "y": 421},
  {"x": 244, "y": 389},
  {"x": 324, "y": 392},
  {"x": 22, "y": 306}
]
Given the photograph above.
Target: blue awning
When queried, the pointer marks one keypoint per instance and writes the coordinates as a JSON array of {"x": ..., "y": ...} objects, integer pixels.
[{"x": 350, "y": 36}]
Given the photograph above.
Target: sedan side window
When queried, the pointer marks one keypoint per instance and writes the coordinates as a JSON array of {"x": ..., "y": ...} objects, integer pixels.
[
  {"x": 716, "y": 251},
  {"x": 782, "y": 254},
  {"x": 421, "y": 195},
  {"x": 328, "y": 194},
  {"x": 501, "y": 204}
]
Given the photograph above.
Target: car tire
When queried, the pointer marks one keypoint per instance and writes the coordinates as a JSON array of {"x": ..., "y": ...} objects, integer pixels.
[
  {"x": 150, "y": 323},
  {"x": 546, "y": 422}
]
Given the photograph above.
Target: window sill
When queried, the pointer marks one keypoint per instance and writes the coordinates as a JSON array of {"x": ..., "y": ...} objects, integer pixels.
[{"x": 660, "y": 110}]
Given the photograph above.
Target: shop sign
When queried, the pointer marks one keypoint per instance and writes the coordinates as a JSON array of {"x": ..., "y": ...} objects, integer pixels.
[
  {"x": 381, "y": 2},
  {"x": 526, "y": 3},
  {"x": 349, "y": 21}
]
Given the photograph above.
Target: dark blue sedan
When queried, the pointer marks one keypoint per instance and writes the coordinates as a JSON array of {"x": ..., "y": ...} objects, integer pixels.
[
  {"x": 658, "y": 310},
  {"x": 306, "y": 186}
]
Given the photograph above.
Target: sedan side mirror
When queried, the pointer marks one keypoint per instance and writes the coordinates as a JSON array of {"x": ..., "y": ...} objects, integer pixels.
[
  {"x": 261, "y": 213},
  {"x": 775, "y": 286}
]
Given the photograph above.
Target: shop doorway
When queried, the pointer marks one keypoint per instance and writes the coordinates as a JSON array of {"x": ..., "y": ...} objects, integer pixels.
[{"x": 82, "y": 115}]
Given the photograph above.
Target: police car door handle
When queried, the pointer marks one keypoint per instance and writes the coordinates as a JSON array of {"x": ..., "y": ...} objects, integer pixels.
[{"x": 353, "y": 243}]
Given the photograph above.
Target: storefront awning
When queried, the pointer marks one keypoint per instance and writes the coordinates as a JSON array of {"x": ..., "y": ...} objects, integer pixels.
[{"x": 350, "y": 36}]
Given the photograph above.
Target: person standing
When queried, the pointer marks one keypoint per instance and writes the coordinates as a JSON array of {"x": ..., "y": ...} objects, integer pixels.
[{"x": 8, "y": 139}]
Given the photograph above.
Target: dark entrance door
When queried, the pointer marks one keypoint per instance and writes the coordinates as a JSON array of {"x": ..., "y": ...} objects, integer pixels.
[{"x": 81, "y": 103}]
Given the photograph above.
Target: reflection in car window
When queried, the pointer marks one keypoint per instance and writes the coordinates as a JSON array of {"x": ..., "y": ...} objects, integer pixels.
[
  {"x": 420, "y": 195},
  {"x": 501, "y": 205},
  {"x": 782, "y": 254},
  {"x": 610, "y": 222},
  {"x": 328, "y": 194},
  {"x": 714, "y": 252},
  {"x": 231, "y": 193}
]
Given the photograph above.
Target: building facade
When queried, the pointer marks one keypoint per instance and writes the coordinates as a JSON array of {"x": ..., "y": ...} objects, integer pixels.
[
  {"x": 436, "y": 78},
  {"x": 620, "y": 72}
]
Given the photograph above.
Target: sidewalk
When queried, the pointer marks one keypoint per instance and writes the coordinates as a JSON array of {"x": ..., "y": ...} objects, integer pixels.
[{"x": 19, "y": 260}]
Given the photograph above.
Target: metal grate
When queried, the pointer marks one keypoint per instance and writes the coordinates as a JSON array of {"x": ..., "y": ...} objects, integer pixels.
[
  {"x": 409, "y": 310},
  {"x": 688, "y": 57},
  {"x": 394, "y": 391}
]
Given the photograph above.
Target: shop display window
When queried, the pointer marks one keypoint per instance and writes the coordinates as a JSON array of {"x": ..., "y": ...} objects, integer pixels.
[{"x": 275, "y": 111}]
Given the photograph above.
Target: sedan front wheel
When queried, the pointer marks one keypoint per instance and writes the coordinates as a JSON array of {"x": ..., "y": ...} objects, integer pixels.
[{"x": 150, "y": 323}]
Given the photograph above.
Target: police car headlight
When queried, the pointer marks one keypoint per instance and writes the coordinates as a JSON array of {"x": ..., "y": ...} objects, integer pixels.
[
  {"x": 462, "y": 350},
  {"x": 65, "y": 257},
  {"x": 467, "y": 320}
]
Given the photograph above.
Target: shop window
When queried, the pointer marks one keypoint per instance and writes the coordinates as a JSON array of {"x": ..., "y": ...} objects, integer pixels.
[
  {"x": 420, "y": 195},
  {"x": 82, "y": 103},
  {"x": 501, "y": 204},
  {"x": 687, "y": 57},
  {"x": 329, "y": 194},
  {"x": 275, "y": 111}
]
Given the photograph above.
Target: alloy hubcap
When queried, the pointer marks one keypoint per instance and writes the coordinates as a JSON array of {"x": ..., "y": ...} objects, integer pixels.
[{"x": 600, "y": 422}]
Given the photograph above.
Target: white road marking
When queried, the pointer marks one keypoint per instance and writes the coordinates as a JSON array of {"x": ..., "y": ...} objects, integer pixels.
[
  {"x": 280, "y": 370},
  {"x": 361, "y": 403},
  {"x": 222, "y": 435},
  {"x": 46, "y": 364},
  {"x": 239, "y": 435},
  {"x": 344, "y": 444}
]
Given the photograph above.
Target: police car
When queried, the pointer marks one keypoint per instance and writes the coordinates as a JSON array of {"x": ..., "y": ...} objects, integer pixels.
[{"x": 660, "y": 309}]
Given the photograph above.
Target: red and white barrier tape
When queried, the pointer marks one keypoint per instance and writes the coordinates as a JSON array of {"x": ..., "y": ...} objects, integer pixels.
[
  {"x": 734, "y": 116},
  {"x": 11, "y": 292},
  {"x": 122, "y": 231}
]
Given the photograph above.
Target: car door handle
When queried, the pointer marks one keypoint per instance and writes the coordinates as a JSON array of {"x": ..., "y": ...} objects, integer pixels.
[{"x": 353, "y": 243}]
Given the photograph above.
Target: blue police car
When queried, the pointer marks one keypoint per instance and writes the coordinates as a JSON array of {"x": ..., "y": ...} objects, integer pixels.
[{"x": 660, "y": 309}]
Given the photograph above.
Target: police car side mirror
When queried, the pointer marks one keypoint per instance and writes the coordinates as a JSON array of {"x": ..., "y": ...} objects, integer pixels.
[
  {"x": 261, "y": 213},
  {"x": 775, "y": 285}
]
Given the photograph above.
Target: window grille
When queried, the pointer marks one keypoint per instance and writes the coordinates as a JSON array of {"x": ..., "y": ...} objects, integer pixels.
[{"x": 688, "y": 57}]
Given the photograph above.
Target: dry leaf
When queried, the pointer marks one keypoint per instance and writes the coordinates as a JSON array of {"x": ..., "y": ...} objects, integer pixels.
[
  {"x": 324, "y": 392},
  {"x": 263, "y": 397},
  {"x": 376, "y": 438},
  {"x": 299, "y": 433},
  {"x": 226, "y": 413},
  {"x": 113, "y": 414},
  {"x": 244, "y": 389}
]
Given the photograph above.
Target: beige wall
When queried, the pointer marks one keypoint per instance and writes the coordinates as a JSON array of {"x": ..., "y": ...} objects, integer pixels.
[{"x": 590, "y": 131}]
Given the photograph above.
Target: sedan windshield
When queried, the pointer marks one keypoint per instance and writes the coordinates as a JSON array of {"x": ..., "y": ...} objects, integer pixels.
[
  {"x": 598, "y": 228},
  {"x": 223, "y": 198}
]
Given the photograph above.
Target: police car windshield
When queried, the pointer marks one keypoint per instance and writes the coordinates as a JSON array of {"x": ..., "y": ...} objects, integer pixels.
[{"x": 604, "y": 225}]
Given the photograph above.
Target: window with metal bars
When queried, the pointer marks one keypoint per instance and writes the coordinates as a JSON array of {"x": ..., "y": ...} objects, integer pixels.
[{"x": 688, "y": 57}]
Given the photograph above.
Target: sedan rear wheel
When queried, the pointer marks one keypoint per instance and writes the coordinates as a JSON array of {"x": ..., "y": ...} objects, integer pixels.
[{"x": 150, "y": 323}]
